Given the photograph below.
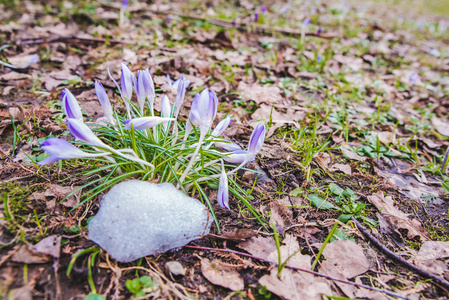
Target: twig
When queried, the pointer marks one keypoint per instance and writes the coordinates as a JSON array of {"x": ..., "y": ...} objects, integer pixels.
[
  {"x": 72, "y": 39},
  {"x": 256, "y": 27},
  {"x": 301, "y": 270},
  {"x": 399, "y": 259}
]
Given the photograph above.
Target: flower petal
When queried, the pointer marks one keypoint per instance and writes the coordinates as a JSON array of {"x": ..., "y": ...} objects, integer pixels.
[
  {"x": 145, "y": 122},
  {"x": 104, "y": 101},
  {"x": 60, "y": 149},
  {"x": 70, "y": 105},
  {"x": 223, "y": 192},
  {"x": 82, "y": 132}
]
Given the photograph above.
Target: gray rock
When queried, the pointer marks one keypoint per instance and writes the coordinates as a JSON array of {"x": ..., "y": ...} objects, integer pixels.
[{"x": 138, "y": 218}]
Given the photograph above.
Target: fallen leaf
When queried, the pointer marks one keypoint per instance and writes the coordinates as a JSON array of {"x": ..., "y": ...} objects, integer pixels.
[
  {"x": 386, "y": 206},
  {"x": 221, "y": 275},
  {"x": 294, "y": 284},
  {"x": 323, "y": 159},
  {"x": 347, "y": 257},
  {"x": 50, "y": 245},
  {"x": 259, "y": 246},
  {"x": 346, "y": 149},
  {"x": 260, "y": 93},
  {"x": 28, "y": 255},
  {"x": 14, "y": 76},
  {"x": 175, "y": 268},
  {"x": 239, "y": 234},
  {"x": 342, "y": 168},
  {"x": 441, "y": 126},
  {"x": 431, "y": 256},
  {"x": 330, "y": 269}
]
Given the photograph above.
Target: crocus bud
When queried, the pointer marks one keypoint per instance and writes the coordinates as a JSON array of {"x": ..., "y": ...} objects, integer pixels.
[
  {"x": 82, "y": 132},
  {"x": 223, "y": 193},
  {"x": 140, "y": 90},
  {"x": 145, "y": 122},
  {"x": 104, "y": 101},
  {"x": 237, "y": 157},
  {"x": 127, "y": 81},
  {"x": 227, "y": 145},
  {"x": 70, "y": 106},
  {"x": 218, "y": 130},
  {"x": 264, "y": 10},
  {"x": 255, "y": 141},
  {"x": 166, "y": 110},
  {"x": 205, "y": 109},
  {"x": 181, "y": 91},
  {"x": 60, "y": 149},
  {"x": 174, "y": 85},
  {"x": 306, "y": 21},
  {"x": 148, "y": 85}
]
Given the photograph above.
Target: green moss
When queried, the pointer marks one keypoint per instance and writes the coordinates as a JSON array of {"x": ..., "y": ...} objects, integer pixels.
[{"x": 15, "y": 204}]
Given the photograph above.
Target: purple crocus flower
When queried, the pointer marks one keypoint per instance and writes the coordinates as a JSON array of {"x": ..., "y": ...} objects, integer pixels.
[
  {"x": 218, "y": 130},
  {"x": 414, "y": 78},
  {"x": 204, "y": 108},
  {"x": 306, "y": 21},
  {"x": 127, "y": 81},
  {"x": 181, "y": 91},
  {"x": 255, "y": 141},
  {"x": 234, "y": 22},
  {"x": 434, "y": 52},
  {"x": 318, "y": 58},
  {"x": 237, "y": 157},
  {"x": 174, "y": 85},
  {"x": 145, "y": 122},
  {"x": 319, "y": 31},
  {"x": 165, "y": 110},
  {"x": 256, "y": 17},
  {"x": 145, "y": 88},
  {"x": 60, "y": 149},
  {"x": 264, "y": 10},
  {"x": 223, "y": 192},
  {"x": 104, "y": 101},
  {"x": 125, "y": 4},
  {"x": 82, "y": 132},
  {"x": 70, "y": 106},
  {"x": 228, "y": 146}
]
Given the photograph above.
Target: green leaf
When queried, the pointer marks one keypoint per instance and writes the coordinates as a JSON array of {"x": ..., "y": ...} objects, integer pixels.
[
  {"x": 336, "y": 189},
  {"x": 319, "y": 202},
  {"x": 92, "y": 296},
  {"x": 344, "y": 218}
]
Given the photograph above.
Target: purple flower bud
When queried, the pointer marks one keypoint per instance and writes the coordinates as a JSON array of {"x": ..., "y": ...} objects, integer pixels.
[
  {"x": 264, "y": 9},
  {"x": 127, "y": 81},
  {"x": 434, "y": 52},
  {"x": 125, "y": 3},
  {"x": 228, "y": 146},
  {"x": 237, "y": 157},
  {"x": 181, "y": 91},
  {"x": 145, "y": 88},
  {"x": 218, "y": 130},
  {"x": 104, "y": 101},
  {"x": 256, "y": 17},
  {"x": 223, "y": 193},
  {"x": 318, "y": 58},
  {"x": 234, "y": 22},
  {"x": 319, "y": 31},
  {"x": 70, "y": 105},
  {"x": 82, "y": 132},
  {"x": 414, "y": 78},
  {"x": 204, "y": 109},
  {"x": 256, "y": 141},
  {"x": 174, "y": 85},
  {"x": 60, "y": 149},
  {"x": 306, "y": 21},
  {"x": 165, "y": 110},
  {"x": 145, "y": 122}
]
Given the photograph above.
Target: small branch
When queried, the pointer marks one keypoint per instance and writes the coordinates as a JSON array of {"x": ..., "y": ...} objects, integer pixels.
[
  {"x": 443, "y": 283},
  {"x": 301, "y": 270},
  {"x": 72, "y": 39}
]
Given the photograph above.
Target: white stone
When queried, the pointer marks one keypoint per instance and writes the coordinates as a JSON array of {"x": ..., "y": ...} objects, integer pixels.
[{"x": 138, "y": 218}]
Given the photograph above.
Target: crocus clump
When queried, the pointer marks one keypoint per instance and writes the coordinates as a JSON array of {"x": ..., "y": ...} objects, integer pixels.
[{"x": 153, "y": 143}]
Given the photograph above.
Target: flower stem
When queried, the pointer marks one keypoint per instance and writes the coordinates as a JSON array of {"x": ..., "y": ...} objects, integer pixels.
[{"x": 192, "y": 160}]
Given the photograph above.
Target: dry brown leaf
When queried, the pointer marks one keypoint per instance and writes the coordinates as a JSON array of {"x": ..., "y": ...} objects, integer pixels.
[
  {"x": 347, "y": 257},
  {"x": 330, "y": 269},
  {"x": 221, "y": 275},
  {"x": 441, "y": 126},
  {"x": 342, "y": 168},
  {"x": 386, "y": 206},
  {"x": 28, "y": 255},
  {"x": 346, "y": 149},
  {"x": 323, "y": 159},
  {"x": 293, "y": 284},
  {"x": 50, "y": 245},
  {"x": 14, "y": 76},
  {"x": 409, "y": 186},
  {"x": 429, "y": 255},
  {"x": 259, "y": 246},
  {"x": 260, "y": 93}
]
